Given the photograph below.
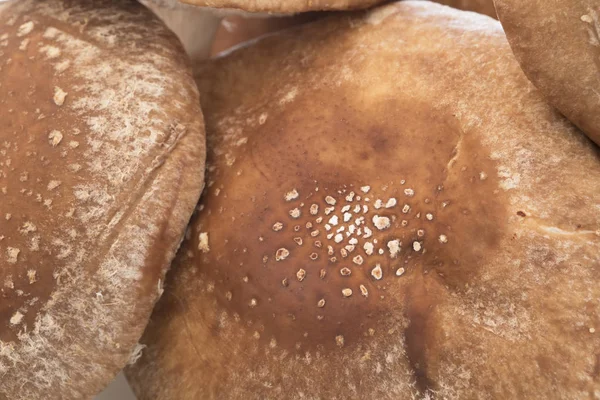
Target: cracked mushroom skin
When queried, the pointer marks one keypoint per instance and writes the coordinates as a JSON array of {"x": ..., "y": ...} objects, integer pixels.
[
  {"x": 392, "y": 211},
  {"x": 99, "y": 176},
  {"x": 557, "y": 43}
]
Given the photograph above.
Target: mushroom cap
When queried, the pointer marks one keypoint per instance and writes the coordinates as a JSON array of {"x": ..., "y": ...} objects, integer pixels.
[
  {"x": 392, "y": 211},
  {"x": 557, "y": 43},
  {"x": 101, "y": 158}
]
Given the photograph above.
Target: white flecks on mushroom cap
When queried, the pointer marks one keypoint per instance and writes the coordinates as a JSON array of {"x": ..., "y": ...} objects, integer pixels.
[
  {"x": 394, "y": 247},
  {"x": 377, "y": 272},
  {"x": 381, "y": 223},
  {"x": 364, "y": 291},
  {"x": 12, "y": 255},
  {"x": 53, "y": 185},
  {"x": 16, "y": 318},
  {"x": 25, "y": 29},
  {"x": 368, "y": 247},
  {"x": 281, "y": 254},
  {"x": 55, "y": 137},
  {"x": 203, "y": 242},
  {"x": 59, "y": 96},
  {"x": 301, "y": 274},
  {"x": 291, "y": 195},
  {"x": 587, "y": 18}
]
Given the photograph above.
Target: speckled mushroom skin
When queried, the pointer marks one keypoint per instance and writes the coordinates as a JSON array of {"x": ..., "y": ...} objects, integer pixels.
[
  {"x": 481, "y": 6},
  {"x": 557, "y": 43},
  {"x": 392, "y": 212},
  {"x": 285, "y": 6},
  {"x": 101, "y": 159}
]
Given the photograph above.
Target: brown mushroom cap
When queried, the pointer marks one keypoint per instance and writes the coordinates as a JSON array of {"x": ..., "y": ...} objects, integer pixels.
[
  {"x": 392, "y": 211},
  {"x": 557, "y": 44},
  {"x": 101, "y": 158}
]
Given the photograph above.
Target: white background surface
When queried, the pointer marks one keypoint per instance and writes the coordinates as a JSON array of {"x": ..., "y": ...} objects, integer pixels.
[{"x": 118, "y": 390}]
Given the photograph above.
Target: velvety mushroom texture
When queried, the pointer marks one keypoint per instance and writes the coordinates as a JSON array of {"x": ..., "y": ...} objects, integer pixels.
[
  {"x": 284, "y": 6},
  {"x": 392, "y": 211},
  {"x": 557, "y": 44},
  {"x": 101, "y": 159}
]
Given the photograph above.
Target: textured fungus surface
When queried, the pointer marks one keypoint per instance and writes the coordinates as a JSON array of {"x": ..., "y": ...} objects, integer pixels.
[
  {"x": 98, "y": 178},
  {"x": 392, "y": 211},
  {"x": 557, "y": 43}
]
